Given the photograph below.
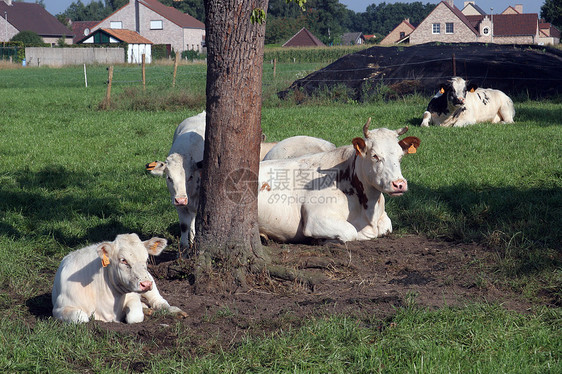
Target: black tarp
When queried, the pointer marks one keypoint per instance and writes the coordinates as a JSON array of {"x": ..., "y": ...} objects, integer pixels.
[{"x": 530, "y": 71}]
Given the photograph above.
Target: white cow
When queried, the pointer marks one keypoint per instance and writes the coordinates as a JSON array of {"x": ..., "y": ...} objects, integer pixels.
[
  {"x": 182, "y": 169},
  {"x": 296, "y": 146},
  {"x": 459, "y": 104},
  {"x": 108, "y": 282},
  {"x": 335, "y": 195}
]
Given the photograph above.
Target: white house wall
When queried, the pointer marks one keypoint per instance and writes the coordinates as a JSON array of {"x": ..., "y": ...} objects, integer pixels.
[{"x": 135, "y": 52}]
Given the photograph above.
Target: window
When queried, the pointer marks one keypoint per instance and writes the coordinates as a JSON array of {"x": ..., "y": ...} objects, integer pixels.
[
  {"x": 486, "y": 30},
  {"x": 156, "y": 25},
  {"x": 449, "y": 29},
  {"x": 116, "y": 25},
  {"x": 437, "y": 28},
  {"x": 402, "y": 34}
]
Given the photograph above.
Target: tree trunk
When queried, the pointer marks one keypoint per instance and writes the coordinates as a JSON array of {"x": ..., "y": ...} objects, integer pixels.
[{"x": 227, "y": 244}]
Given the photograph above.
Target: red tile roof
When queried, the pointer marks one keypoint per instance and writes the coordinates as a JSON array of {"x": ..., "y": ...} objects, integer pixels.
[
  {"x": 515, "y": 24},
  {"x": 172, "y": 14},
  {"x": 127, "y": 36},
  {"x": 304, "y": 38},
  {"x": 33, "y": 17}
]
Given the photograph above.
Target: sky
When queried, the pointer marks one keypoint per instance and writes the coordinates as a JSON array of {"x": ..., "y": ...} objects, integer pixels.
[{"x": 529, "y": 6}]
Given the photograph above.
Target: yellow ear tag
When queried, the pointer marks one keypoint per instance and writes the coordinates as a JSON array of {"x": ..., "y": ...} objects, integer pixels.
[
  {"x": 104, "y": 260},
  {"x": 412, "y": 149},
  {"x": 472, "y": 90},
  {"x": 442, "y": 90},
  {"x": 357, "y": 150}
]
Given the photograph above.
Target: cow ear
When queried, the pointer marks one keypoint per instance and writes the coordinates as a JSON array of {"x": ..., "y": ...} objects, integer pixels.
[
  {"x": 105, "y": 250},
  {"x": 156, "y": 168},
  {"x": 199, "y": 164},
  {"x": 409, "y": 144},
  {"x": 155, "y": 246},
  {"x": 471, "y": 87},
  {"x": 359, "y": 145}
]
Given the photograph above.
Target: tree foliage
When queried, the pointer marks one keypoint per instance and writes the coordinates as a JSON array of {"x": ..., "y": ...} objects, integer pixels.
[
  {"x": 194, "y": 8},
  {"x": 27, "y": 38},
  {"x": 551, "y": 11},
  {"x": 94, "y": 11}
]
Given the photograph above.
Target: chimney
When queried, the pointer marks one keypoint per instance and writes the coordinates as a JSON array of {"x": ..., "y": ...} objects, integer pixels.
[
  {"x": 519, "y": 8},
  {"x": 137, "y": 17},
  {"x": 451, "y": 3},
  {"x": 407, "y": 20}
]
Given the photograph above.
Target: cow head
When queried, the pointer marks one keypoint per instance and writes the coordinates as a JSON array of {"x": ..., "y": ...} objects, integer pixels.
[
  {"x": 183, "y": 177},
  {"x": 125, "y": 262},
  {"x": 378, "y": 158},
  {"x": 456, "y": 90}
]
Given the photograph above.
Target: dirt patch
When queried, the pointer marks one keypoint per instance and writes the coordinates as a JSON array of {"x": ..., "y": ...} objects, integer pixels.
[
  {"x": 366, "y": 280},
  {"x": 531, "y": 71}
]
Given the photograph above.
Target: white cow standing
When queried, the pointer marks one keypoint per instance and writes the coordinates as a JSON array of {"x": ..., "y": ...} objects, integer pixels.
[
  {"x": 459, "y": 104},
  {"x": 182, "y": 169},
  {"x": 335, "y": 195},
  {"x": 108, "y": 282}
]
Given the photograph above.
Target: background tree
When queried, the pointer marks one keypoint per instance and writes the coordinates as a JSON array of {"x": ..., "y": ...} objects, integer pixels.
[
  {"x": 551, "y": 11},
  {"x": 27, "y": 38},
  {"x": 227, "y": 246}
]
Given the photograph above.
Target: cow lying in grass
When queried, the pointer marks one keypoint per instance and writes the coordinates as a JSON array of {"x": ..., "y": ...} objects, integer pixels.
[
  {"x": 109, "y": 282},
  {"x": 182, "y": 167},
  {"x": 335, "y": 195},
  {"x": 459, "y": 104}
]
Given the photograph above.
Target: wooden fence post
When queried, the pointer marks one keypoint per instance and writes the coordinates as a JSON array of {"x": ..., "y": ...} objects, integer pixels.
[
  {"x": 454, "y": 66},
  {"x": 175, "y": 69},
  {"x": 107, "y": 100},
  {"x": 85, "y": 76},
  {"x": 143, "y": 73},
  {"x": 274, "y": 67}
]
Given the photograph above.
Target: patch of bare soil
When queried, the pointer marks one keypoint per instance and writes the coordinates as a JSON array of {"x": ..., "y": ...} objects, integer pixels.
[{"x": 366, "y": 280}]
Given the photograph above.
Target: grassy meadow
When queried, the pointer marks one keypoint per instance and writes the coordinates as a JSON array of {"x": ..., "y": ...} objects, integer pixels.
[{"x": 73, "y": 174}]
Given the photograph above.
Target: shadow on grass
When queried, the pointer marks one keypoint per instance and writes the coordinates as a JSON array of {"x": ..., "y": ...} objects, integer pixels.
[
  {"x": 50, "y": 202},
  {"x": 521, "y": 225},
  {"x": 545, "y": 116},
  {"x": 40, "y": 306}
]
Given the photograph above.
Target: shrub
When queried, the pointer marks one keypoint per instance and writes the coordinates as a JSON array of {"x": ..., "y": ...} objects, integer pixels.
[{"x": 28, "y": 38}]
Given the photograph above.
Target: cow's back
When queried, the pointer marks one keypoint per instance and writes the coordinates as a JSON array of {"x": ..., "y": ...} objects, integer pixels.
[
  {"x": 297, "y": 146},
  {"x": 195, "y": 123}
]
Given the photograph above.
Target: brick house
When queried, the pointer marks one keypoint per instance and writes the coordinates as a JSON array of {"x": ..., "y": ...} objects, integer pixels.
[
  {"x": 19, "y": 16},
  {"x": 447, "y": 24},
  {"x": 399, "y": 34},
  {"x": 549, "y": 34},
  {"x": 158, "y": 23}
]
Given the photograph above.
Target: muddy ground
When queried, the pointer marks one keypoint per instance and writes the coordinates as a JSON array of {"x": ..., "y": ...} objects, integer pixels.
[{"x": 360, "y": 279}]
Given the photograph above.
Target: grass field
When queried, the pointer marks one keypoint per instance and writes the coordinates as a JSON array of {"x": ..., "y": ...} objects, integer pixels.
[{"x": 73, "y": 174}]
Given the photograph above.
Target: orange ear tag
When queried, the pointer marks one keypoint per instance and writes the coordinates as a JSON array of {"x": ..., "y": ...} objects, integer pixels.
[
  {"x": 153, "y": 247},
  {"x": 412, "y": 149},
  {"x": 104, "y": 261},
  {"x": 442, "y": 90},
  {"x": 472, "y": 90}
]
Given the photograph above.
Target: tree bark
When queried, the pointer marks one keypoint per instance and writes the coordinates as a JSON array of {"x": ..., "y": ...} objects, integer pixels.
[{"x": 227, "y": 244}]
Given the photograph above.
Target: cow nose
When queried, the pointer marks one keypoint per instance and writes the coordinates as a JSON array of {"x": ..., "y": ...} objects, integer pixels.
[
  {"x": 400, "y": 185},
  {"x": 146, "y": 286},
  {"x": 180, "y": 201}
]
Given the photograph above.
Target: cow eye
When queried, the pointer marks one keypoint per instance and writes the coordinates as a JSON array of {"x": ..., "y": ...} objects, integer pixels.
[
  {"x": 124, "y": 262},
  {"x": 376, "y": 158}
]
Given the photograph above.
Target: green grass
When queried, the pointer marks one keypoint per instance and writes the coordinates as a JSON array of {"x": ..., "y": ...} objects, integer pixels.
[{"x": 74, "y": 175}]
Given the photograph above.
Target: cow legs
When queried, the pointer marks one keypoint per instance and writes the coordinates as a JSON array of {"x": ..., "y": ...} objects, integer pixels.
[
  {"x": 133, "y": 308},
  {"x": 156, "y": 301},
  {"x": 426, "y": 119},
  {"x": 322, "y": 227},
  {"x": 187, "y": 226},
  {"x": 71, "y": 314}
]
